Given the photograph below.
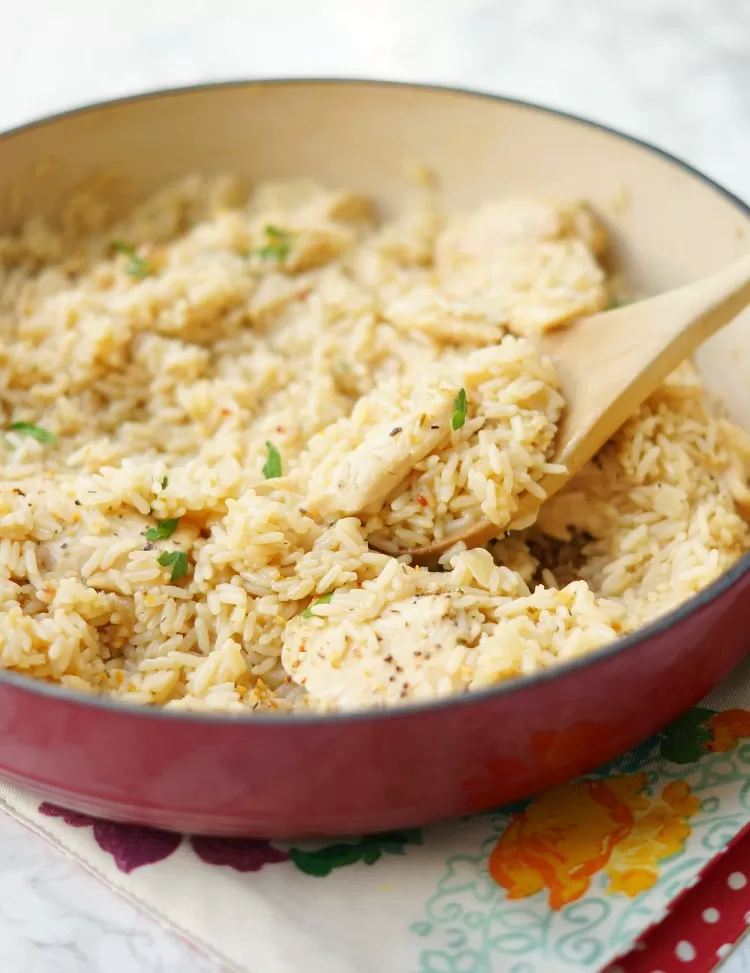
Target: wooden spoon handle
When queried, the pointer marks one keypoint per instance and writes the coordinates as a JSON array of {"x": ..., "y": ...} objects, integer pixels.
[
  {"x": 608, "y": 366},
  {"x": 610, "y": 363}
]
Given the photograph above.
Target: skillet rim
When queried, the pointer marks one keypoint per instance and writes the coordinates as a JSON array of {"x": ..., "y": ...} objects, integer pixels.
[{"x": 683, "y": 612}]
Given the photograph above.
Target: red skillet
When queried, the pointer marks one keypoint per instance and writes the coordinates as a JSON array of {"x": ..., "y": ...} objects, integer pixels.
[{"x": 267, "y": 775}]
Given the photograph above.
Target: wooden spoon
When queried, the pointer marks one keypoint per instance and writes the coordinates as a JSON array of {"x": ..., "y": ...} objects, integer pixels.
[{"x": 608, "y": 366}]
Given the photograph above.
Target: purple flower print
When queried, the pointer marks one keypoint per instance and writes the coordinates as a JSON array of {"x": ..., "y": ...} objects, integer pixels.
[
  {"x": 73, "y": 818},
  {"x": 130, "y": 845},
  {"x": 241, "y": 854}
]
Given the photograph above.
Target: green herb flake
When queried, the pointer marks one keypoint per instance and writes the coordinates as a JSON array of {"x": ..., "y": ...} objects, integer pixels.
[
  {"x": 136, "y": 267},
  {"x": 307, "y": 613},
  {"x": 163, "y": 530},
  {"x": 272, "y": 466},
  {"x": 165, "y": 483},
  {"x": 36, "y": 432},
  {"x": 278, "y": 247},
  {"x": 460, "y": 406},
  {"x": 178, "y": 561},
  {"x": 616, "y": 302}
]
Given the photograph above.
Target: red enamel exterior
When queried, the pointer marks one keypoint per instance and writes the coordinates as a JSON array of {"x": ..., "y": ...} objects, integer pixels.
[
  {"x": 295, "y": 776},
  {"x": 298, "y": 776}
]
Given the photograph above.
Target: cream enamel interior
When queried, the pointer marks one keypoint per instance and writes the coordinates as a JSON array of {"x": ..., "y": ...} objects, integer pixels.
[
  {"x": 670, "y": 225},
  {"x": 263, "y": 131}
]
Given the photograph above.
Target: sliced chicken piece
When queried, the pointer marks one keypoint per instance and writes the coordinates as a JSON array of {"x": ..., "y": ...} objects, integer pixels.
[
  {"x": 357, "y": 463},
  {"x": 486, "y": 233},
  {"x": 297, "y": 225},
  {"x": 317, "y": 246},
  {"x": 415, "y": 649},
  {"x": 77, "y": 550},
  {"x": 364, "y": 457},
  {"x": 308, "y": 199},
  {"x": 425, "y": 310},
  {"x": 580, "y": 221},
  {"x": 293, "y": 246},
  {"x": 530, "y": 262},
  {"x": 536, "y": 286},
  {"x": 409, "y": 240}
]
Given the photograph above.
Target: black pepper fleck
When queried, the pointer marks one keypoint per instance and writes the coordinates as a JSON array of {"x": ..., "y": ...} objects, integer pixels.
[{"x": 395, "y": 431}]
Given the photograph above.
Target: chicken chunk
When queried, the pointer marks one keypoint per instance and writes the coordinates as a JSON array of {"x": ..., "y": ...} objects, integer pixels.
[
  {"x": 364, "y": 457},
  {"x": 537, "y": 287},
  {"x": 505, "y": 392},
  {"x": 415, "y": 649},
  {"x": 492, "y": 229},
  {"x": 77, "y": 551},
  {"x": 425, "y": 310},
  {"x": 531, "y": 263}
]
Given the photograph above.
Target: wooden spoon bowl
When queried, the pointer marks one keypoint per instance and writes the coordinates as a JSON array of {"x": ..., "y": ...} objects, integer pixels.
[
  {"x": 322, "y": 774},
  {"x": 609, "y": 364}
]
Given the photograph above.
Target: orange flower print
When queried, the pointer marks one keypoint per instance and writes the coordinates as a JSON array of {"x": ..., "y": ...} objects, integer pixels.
[
  {"x": 569, "y": 834},
  {"x": 548, "y": 748},
  {"x": 572, "y": 744},
  {"x": 656, "y": 836},
  {"x": 727, "y": 728}
]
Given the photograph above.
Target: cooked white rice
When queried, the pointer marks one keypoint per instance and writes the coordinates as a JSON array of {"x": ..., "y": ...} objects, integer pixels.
[{"x": 287, "y": 396}]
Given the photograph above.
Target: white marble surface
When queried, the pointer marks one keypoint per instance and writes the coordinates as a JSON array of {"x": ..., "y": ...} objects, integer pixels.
[{"x": 676, "y": 72}]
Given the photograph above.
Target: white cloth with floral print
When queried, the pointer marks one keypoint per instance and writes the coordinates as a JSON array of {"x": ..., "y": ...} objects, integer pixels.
[{"x": 455, "y": 898}]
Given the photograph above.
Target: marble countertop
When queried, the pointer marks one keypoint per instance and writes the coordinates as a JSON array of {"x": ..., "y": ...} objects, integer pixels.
[{"x": 676, "y": 73}]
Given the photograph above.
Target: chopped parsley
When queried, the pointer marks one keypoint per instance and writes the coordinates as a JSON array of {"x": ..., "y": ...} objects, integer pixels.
[
  {"x": 136, "y": 266},
  {"x": 163, "y": 530},
  {"x": 307, "y": 613},
  {"x": 179, "y": 562},
  {"x": 165, "y": 483},
  {"x": 272, "y": 466},
  {"x": 460, "y": 406},
  {"x": 278, "y": 246},
  {"x": 36, "y": 432}
]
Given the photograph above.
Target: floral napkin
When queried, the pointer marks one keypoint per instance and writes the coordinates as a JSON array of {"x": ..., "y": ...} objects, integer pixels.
[{"x": 571, "y": 881}]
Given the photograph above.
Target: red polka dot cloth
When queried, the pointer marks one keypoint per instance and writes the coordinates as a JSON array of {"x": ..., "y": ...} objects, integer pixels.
[
  {"x": 704, "y": 924},
  {"x": 642, "y": 866}
]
